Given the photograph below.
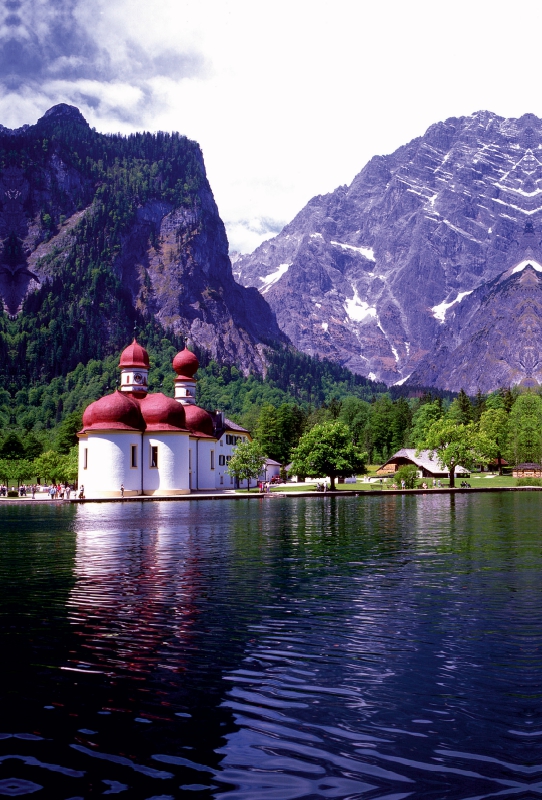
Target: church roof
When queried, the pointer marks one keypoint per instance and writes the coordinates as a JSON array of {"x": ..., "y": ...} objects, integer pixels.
[
  {"x": 199, "y": 421},
  {"x": 114, "y": 412},
  {"x": 162, "y": 413},
  {"x": 134, "y": 356}
]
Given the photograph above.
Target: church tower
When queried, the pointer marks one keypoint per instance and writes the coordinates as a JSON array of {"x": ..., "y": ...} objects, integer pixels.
[
  {"x": 134, "y": 367},
  {"x": 185, "y": 365}
]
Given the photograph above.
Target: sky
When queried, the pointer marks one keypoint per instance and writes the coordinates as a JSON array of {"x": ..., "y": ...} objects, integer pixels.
[{"x": 288, "y": 99}]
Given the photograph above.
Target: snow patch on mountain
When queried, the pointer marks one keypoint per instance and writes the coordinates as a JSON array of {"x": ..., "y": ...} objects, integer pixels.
[
  {"x": 527, "y": 263},
  {"x": 367, "y": 252},
  {"x": 439, "y": 312},
  {"x": 273, "y": 277},
  {"x": 358, "y": 309}
]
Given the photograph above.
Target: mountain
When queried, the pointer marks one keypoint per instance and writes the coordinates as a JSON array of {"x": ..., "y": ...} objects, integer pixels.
[
  {"x": 104, "y": 233},
  {"x": 426, "y": 269}
]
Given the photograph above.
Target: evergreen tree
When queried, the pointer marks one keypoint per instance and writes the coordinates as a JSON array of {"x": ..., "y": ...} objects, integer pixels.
[
  {"x": 423, "y": 418},
  {"x": 524, "y": 440},
  {"x": 461, "y": 410}
]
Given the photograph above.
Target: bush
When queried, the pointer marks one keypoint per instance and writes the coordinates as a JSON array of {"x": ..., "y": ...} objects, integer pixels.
[
  {"x": 529, "y": 482},
  {"x": 13, "y": 493},
  {"x": 407, "y": 474}
]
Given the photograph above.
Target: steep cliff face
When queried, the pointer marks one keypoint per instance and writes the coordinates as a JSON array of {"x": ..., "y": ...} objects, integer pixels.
[
  {"x": 395, "y": 275},
  {"x": 101, "y": 233}
]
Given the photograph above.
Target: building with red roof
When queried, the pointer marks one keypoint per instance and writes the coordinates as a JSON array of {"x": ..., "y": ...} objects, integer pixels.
[{"x": 136, "y": 442}]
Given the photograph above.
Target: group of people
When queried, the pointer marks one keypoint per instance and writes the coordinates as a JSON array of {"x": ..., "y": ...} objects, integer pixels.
[
  {"x": 54, "y": 492},
  {"x": 59, "y": 492},
  {"x": 264, "y": 487}
]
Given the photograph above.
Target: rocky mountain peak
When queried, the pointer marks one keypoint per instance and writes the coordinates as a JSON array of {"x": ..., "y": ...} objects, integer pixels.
[
  {"x": 394, "y": 276},
  {"x": 66, "y": 111}
]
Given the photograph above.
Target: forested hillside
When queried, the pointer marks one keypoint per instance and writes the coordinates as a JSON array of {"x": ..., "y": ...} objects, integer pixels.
[{"x": 104, "y": 232}]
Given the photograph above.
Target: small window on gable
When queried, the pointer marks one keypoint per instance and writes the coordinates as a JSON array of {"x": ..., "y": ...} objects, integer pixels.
[{"x": 154, "y": 457}]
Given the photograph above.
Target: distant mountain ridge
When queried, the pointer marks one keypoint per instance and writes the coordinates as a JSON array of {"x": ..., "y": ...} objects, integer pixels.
[
  {"x": 427, "y": 268},
  {"x": 104, "y": 233}
]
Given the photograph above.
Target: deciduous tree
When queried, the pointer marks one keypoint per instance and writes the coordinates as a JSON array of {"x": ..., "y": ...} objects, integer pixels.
[
  {"x": 246, "y": 462},
  {"x": 494, "y": 423},
  {"x": 457, "y": 445},
  {"x": 327, "y": 451}
]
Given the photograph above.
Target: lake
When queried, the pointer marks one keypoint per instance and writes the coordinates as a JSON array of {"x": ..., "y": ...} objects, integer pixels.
[{"x": 357, "y": 647}]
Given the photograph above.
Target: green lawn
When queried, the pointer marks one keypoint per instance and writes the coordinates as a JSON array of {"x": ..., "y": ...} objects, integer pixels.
[{"x": 476, "y": 481}]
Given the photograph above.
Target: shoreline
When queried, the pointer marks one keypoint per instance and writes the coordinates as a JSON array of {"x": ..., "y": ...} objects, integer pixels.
[{"x": 231, "y": 495}]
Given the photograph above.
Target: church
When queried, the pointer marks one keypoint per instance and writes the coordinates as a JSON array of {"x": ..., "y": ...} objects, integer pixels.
[{"x": 152, "y": 444}]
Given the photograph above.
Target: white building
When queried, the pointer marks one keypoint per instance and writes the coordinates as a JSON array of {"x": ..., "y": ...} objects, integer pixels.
[{"x": 152, "y": 444}]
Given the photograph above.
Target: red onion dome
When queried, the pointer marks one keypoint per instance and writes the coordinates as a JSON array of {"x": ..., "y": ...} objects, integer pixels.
[
  {"x": 134, "y": 356},
  {"x": 114, "y": 412},
  {"x": 198, "y": 420},
  {"x": 162, "y": 413},
  {"x": 185, "y": 364}
]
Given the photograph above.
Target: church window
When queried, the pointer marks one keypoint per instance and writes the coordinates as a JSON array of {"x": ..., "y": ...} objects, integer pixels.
[
  {"x": 133, "y": 456},
  {"x": 212, "y": 459},
  {"x": 85, "y": 458},
  {"x": 154, "y": 457}
]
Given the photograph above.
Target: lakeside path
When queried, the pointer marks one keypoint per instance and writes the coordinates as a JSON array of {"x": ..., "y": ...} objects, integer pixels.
[{"x": 233, "y": 495}]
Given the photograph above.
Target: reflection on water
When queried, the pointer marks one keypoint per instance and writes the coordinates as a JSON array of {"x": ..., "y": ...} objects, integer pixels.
[{"x": 379, "y": 647}]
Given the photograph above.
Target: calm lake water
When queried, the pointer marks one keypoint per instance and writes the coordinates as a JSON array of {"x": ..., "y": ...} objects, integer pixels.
[{"x": 378, "y": 647}]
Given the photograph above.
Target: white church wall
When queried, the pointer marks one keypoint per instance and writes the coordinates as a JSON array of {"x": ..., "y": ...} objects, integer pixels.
[
  {"x": 106, "y": 464},
  {"x": 207, "y": 463},
  {"x": 170, "y": 476}
]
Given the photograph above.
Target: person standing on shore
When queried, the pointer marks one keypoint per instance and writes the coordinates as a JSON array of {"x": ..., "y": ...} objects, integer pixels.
[{"x": 122, "y": 490}]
